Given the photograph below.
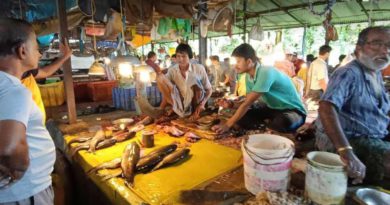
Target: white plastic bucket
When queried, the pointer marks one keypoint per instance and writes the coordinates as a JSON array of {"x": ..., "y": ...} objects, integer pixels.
[
  {"x": 326, "y": 178},
  {"x": 267, "y": 162}
]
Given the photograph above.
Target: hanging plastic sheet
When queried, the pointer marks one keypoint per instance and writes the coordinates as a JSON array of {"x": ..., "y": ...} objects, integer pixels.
[{"x": 140, "y": 40}]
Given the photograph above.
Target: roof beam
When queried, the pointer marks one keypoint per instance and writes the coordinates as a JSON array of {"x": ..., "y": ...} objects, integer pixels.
[
  {"x": 287, "y": 12},
  {"x": 364, "y": 9},
  {"x": 284, "y": 8}
]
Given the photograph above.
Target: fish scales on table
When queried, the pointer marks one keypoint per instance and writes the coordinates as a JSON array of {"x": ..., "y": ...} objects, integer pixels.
[
  {"x": 113, "y": 164},
  {"x": 99, "y": 136},
  {"x": 130, "y": 158},
  {"x": 148, "y": 162},
  {"x": 173, "y": 158}
]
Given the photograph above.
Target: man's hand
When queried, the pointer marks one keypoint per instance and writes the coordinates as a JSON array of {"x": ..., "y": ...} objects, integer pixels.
[
  {"x": 225, "y": 103},
  {"x": 221, "y": 128},
  {"x": 65, "y": 50},
  {"x": 355, "y": 168},
  {"x": 197, "y": 112}
]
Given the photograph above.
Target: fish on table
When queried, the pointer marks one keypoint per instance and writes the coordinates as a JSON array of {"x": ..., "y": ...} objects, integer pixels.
[
  {"x": 120, "y": 137},
  {"x": 130, "y": 158},
  {"x": 99, "y": 136},
  {"x": 113, "y": 164},
  {"x": 173, "y": 158},
  {"x": 79, "y": 139},
  {"x": 148, "y": 162},
  {"x": 145, "y": 164}
]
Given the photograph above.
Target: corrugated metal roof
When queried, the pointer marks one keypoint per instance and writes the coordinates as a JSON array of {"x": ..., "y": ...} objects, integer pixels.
[{"x": 296, "y": 13}]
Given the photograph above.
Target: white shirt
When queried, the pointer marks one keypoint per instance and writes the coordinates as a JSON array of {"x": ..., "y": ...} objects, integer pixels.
[
  {"x": 195, "y": 75},
  {"x": 318, "y": 71},
  {"x": 16, "y": 103}
]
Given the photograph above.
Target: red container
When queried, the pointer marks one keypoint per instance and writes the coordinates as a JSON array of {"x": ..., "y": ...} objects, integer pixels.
[
  {"x": 81, "y": 92},
  {"x": 101, "y": 91}
]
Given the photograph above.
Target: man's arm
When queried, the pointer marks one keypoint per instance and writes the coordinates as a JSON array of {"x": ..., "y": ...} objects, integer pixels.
[
  {"x": 323, "y": 84},
  {"x": 48, "y": 70},
  {"x": 331, "y": 123},
  {"x": 240, "y": 112},
  {"x": 14, "y": 158}
]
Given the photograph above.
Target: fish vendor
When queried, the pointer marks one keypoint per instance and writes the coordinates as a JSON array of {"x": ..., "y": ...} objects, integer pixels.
[
  {"x": 354, "y": 110},
  {"x": 186, "y": 86},
  {"x": 279, "y": 107}
]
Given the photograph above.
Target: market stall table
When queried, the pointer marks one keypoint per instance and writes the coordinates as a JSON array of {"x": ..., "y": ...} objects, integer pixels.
[{"x": 169, "y": 185}]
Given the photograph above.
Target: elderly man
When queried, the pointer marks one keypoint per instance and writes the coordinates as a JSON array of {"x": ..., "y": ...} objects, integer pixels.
[
  {"x": 354, "y": 110},
  {"x": 280, "y": 106},
  {"x": 186, "y": 86},
  {"x": 27, "y": 152}
]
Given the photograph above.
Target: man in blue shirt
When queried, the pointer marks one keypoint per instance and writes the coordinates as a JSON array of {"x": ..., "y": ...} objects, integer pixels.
[
  {"x": 280, "y": 106},
  {"x": 354, "y": 110}
]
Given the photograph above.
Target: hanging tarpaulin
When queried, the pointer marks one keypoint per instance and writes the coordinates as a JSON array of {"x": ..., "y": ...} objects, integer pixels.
[
  {"x": 49, "y": 26},
  {"x": 182, "y": 26},
  {"x": 44, "y": 9},
  {"x": 164, "y": 25},
  {"x": 139, "y": 40}
]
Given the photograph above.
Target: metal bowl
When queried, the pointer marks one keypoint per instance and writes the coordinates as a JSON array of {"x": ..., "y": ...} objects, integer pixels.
[
  {"x": 123, "y": 122},
  {"x": 370, "y": 196}
]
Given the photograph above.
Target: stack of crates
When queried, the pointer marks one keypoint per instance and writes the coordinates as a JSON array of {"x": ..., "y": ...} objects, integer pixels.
[{"x": 123, "y": 98}]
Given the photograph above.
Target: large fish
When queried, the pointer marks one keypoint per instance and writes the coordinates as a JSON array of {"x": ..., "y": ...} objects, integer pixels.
[
  {"x": 149, "y": 161},
  {"x": 81, "y": 146},
  {"x": 172, "y": 158},
  {"x": 79, "y": 139},
  {"x": 105, "y": 143},
  {"x": 123, "y": 136},
  {"x": 100, "y": 145},
  {"x": 136, "y": 128},
  {"x": 99, "y": 136},
  {"x": 113, "y": 164},
  {"x": 129, "y": 162}
]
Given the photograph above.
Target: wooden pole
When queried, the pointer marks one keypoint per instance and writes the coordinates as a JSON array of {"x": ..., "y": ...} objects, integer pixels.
[
  {"x": 304, "y": 42},
  {"x": 245, "y": 9},
  {"x": 67, "y": 67},
  {"x": 202, "y": 41}
]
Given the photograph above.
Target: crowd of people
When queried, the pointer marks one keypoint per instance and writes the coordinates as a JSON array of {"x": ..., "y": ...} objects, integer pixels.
[{"x": 353, "y": 105}]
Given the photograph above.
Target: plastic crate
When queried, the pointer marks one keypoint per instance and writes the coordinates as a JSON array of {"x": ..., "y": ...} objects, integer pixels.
[
  {"x": 101, "y": 91},
  {"x": 53, "y": 94},
  {"x": 123, "y": 98}
]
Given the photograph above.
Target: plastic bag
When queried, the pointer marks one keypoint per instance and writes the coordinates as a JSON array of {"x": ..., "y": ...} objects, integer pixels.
[{"x": 257, "y": 32}]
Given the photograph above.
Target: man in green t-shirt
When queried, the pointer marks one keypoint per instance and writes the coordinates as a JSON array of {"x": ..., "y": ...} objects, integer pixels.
[{"x": 280, "y": 106}]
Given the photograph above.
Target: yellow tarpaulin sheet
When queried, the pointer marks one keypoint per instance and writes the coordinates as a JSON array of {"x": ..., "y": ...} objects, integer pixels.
[{"x": 208, "y": 160}]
